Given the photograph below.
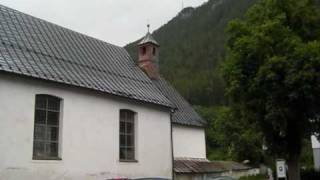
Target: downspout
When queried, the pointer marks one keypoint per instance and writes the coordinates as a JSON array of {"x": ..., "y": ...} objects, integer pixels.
[{"x": 171, "y": 134}]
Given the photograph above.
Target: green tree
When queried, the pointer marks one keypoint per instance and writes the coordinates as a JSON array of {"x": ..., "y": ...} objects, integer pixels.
[
  {"x": 229, "y": 136},
  {"x": 272, "y": 72}
]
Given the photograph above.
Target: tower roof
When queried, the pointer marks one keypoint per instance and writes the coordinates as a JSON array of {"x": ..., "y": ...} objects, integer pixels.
[{"x": 148, "y": 39}]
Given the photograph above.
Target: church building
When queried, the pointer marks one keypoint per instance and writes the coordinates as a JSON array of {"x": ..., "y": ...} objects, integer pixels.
[{"x": 73, "y": 107}]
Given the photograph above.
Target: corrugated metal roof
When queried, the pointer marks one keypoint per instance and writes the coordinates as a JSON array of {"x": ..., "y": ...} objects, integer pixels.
[
  {"x": 184, "y": 113},
  {"x": 148, "y": 38},
  {"x": 33, "y": 47},
  {"x": 197, "y": 166}
]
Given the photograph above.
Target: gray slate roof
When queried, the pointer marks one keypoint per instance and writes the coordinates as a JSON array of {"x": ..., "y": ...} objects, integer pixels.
[
  {"x": 184, "y": 114},
  {"x": 148, "y": 38},
  {"x": 33, "y": 47},
  {"x": 199, "y": 166},
  {"x": 39, "y": 49}
]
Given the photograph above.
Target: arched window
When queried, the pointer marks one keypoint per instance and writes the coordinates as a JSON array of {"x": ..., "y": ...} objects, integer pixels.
[
  {"x": 127, "y": 135},
  {"x": 46, "y": 127}
]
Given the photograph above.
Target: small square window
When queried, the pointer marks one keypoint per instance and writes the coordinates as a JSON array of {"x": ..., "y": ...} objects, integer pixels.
[
  {"x": 38, "y": 149},
  {"x": 53, "y": 104},
  {"x": 52, "y": 133},
  {"x": 40, "y": 116},
  {"x": 130, "y": 140},
  {"x": 41, "y": 103},
  {"x": 40, "y": 132},
  {"x": 53, "y": 118},
  {"x": 130, "y": 153}
]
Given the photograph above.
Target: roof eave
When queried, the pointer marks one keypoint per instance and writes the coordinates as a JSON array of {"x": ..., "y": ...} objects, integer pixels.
[
  {"x": 164, "y": 105},
  {"x": 144, "y": 43}
]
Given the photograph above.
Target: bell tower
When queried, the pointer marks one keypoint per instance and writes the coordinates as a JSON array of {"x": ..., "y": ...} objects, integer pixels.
[{"x": 149, "y": 56}]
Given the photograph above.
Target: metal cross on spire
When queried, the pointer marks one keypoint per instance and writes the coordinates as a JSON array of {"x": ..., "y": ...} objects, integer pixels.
[{"x": 148, "y": 26}]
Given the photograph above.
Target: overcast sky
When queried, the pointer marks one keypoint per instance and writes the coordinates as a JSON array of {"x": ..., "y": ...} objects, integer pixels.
[{"x": 116, "y": 21}]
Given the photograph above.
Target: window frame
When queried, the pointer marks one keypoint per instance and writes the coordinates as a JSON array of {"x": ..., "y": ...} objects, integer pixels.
[
  {"x": 46, "y": 138},
  {"x": 128, "y": 134}
]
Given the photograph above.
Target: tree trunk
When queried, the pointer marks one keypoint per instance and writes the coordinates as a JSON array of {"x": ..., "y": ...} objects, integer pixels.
[{"x": 293, "y": 167}]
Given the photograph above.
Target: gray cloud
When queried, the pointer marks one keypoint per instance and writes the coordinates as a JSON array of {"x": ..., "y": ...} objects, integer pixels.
[{"x": 115, "y": 21}]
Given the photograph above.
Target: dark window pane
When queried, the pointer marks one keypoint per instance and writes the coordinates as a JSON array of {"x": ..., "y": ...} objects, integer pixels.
[
  {"x": 123, "y": 153},
  {"x": 54, "y": 149},
  {"x": 40, "y": 117},
  {"x": 38, "y": 148},
  {"x": 122, "y": 116},
  {"x": 129, "y": 128},
  {"x": 41, "y": 102},
  {"x": 130, "y": 153},
  {"x": 53, "y": 118},
  {"x": 51, "y": 149},
  {"x": 39, "y": 132},
  {"x": 52, "y": 133},
  {"x": 130, "y": 117},
  {"x": 130, "y": 140},
  {"x": 122, "y": 127},
  {"x": 122, "y": 140},
  {"x": 53, "y": 104}
]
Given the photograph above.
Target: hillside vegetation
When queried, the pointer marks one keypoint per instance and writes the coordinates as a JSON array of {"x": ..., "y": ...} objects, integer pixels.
[
  {"x": 192, "y": 46},
  {"x": 192, "y": 49}
]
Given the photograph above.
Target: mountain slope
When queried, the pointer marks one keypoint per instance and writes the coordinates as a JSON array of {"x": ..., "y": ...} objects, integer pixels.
[{"x": 192, "y": 46}]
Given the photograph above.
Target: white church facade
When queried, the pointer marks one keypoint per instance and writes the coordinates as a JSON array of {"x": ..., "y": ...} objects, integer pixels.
[{"x": 74, "y": 107}]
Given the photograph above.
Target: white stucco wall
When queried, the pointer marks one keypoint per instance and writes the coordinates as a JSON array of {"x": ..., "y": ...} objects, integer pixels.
[
  {"x": 315, "y": 142},
  {"x": 188, "y": 142},
  {"x": 316, "y": 152},
  {"x": 89, "y": 131}
]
